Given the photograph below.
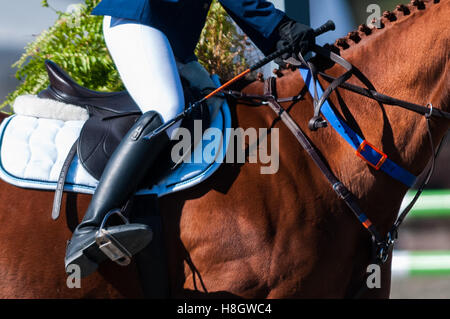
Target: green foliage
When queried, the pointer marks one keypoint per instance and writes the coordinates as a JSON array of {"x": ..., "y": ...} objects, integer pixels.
[
  {"x": 76, "y": 43},
  {"x": 222, "y": 49}
]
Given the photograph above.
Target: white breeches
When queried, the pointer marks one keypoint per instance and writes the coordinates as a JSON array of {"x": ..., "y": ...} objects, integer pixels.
[{"x": 147, "y": 66}]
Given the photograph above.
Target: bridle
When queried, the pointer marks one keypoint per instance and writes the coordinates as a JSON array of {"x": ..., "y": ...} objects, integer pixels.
[{"x": 381, "y": 246}]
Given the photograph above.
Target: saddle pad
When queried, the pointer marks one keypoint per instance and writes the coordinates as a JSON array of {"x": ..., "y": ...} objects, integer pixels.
[{"x": 33, "y": 150}]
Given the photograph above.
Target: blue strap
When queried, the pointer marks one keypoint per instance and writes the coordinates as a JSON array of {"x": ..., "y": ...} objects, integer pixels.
[{"x": 369, "y": 153}]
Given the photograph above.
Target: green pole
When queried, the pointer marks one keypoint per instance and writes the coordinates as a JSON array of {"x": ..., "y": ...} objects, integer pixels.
[
  {"x": 421, "y": 263},
  {"x": 432, "y": 204}
]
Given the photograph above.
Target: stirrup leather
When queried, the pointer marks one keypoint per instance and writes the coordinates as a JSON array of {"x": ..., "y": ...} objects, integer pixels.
[{"x": 109, "y": 245}]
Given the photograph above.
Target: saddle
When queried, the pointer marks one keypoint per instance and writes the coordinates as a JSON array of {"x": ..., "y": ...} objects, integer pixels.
[{"x": 111, "y": 115}]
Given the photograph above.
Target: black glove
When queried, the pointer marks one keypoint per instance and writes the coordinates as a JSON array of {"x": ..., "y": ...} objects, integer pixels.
[{"x": 299, "y": 36}]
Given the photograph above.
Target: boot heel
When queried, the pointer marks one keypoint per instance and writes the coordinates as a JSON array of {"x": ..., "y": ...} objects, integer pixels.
[{"x": 85, "y": 265}]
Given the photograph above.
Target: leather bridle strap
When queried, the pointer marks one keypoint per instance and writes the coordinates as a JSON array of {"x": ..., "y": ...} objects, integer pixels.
[
  {"x": 370, "y": 93},
  {"x": 57, "y": 199},
  {"x": 388, "y": 100},
  {"x": 392, "y": 235},
  {"x": 435, "y": 153},
  {"x": 381, "y": 248},
  {"x": 366, "y": 151},
  {"x": 336, "y": 184}
]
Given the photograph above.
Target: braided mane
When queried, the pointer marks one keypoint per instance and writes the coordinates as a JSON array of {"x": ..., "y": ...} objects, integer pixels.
[{"x": 388, "y": 19}]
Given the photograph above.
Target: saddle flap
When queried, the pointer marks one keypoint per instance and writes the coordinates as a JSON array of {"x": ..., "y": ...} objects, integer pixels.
[{"x": 98, "y": 139}]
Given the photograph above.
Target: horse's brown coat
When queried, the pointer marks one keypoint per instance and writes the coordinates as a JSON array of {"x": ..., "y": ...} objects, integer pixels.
[{"x": 249, "y": 235}]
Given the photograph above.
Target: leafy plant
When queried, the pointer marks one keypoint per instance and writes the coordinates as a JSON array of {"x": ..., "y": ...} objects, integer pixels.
[
  {"x": 76, "y": 43},
  {"x": 222, "y": 48}
]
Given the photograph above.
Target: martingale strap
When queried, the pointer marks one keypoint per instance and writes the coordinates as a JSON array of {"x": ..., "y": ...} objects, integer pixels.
[
  {"x": 366, "y": 151},
  {"x": 380, "y": 247},
  {"x": 340, "y": 189}
]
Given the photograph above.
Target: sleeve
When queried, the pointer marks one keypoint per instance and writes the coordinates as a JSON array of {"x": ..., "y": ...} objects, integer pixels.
[{"x": 258, "y": 19}]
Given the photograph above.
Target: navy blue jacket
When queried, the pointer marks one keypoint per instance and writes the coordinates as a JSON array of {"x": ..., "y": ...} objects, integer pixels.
[{"x": 183, "y": 20}]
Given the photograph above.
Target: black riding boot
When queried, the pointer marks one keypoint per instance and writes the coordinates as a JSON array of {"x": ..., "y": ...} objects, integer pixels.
[{"x": 122, "y": 175}]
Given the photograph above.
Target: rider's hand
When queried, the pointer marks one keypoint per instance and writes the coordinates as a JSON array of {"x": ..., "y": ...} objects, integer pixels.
[{"x": 299, "y": 36}]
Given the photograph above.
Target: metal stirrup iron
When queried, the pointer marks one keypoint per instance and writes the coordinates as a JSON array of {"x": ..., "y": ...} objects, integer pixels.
[{"x": 109, "y": 245}]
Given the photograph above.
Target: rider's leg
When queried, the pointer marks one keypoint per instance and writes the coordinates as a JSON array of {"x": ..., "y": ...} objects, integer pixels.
[
  {"x": 147, "y": 67},
  {"x": 133, "y": 48}
]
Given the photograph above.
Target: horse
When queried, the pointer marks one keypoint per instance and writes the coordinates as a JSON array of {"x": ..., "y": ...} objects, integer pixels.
[{"x": 285, "y": 235}]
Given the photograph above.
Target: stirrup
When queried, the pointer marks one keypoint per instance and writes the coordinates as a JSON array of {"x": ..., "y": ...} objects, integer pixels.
[{"x": 109, "y": 245}]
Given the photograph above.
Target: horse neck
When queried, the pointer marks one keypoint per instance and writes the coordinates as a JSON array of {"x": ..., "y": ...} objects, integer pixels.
[{"x": 407, "y": 59}]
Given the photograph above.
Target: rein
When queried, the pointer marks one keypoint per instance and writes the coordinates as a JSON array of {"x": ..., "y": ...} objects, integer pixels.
[{"x": 381, "y": 246}]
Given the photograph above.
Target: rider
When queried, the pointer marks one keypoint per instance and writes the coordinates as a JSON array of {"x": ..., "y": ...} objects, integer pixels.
[{"x": 145, "y": 39}]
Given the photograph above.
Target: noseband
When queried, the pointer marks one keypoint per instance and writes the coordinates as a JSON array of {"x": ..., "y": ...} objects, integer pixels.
[{"x": 381, "y": 246}]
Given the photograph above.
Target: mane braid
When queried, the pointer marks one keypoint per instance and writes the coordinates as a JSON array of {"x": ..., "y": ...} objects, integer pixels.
[
  {"x": 354, "y": 37},
  {"x": 389, "y": 18}
]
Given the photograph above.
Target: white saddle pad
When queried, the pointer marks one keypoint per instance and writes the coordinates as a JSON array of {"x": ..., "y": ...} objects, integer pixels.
[{"x": 33, "y": 150}]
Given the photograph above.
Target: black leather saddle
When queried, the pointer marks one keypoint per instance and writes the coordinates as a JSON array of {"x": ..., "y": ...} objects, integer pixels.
[
  {"x": 111, "y": 115},
  {"x": 64, "y": 89}
]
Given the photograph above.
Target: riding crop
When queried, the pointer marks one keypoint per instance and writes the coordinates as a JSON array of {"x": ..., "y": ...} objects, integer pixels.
[{"x": 328, "y": 26}]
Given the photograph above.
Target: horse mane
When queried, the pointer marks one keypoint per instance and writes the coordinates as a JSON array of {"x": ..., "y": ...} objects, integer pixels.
[
  {"x": 388, "y": 19},
  {"x": 353, "y": 38}
]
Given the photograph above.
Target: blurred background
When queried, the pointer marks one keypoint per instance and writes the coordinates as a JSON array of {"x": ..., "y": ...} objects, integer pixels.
[
  {"x": 421, "y": 266},
  {"x": 20, "y": 22}
]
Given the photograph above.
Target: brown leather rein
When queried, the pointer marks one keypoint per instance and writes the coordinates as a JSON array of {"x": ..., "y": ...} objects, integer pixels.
[{"x": 381, "y": 246}]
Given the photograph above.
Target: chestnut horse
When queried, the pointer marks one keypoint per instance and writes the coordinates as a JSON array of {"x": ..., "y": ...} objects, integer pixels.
[{"x": 285, "y": 235}]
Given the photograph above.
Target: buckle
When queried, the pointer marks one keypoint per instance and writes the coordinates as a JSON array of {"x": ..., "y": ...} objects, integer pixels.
[
  {"x": 341, "y": 190},
  {"x": 383, "y": 254},
  {"x": 362, "y": 147},
  {"x": 384, "y": 248},
  {"x": 109, "y": 245}
]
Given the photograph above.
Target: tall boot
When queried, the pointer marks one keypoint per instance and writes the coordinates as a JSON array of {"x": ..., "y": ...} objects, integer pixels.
[{"x": 92, "y": 244}]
